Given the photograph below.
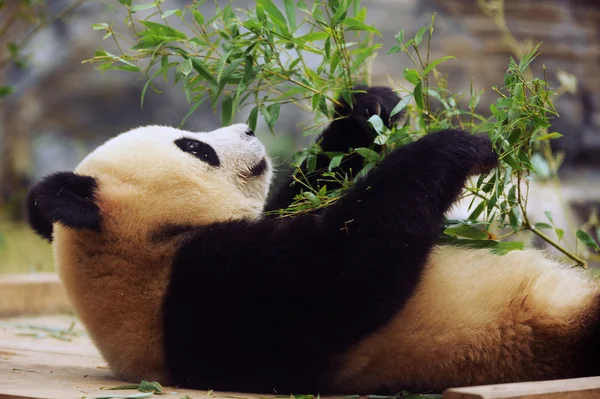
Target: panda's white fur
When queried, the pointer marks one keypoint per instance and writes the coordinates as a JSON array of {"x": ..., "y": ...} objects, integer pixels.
[
  {"x": 467, "y": 316},
  {"x": 127, "y": 266},
  {"x": 473, "y": 321}
]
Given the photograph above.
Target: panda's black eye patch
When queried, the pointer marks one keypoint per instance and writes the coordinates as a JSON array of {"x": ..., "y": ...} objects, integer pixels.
[{"x": 200, "y": 150}]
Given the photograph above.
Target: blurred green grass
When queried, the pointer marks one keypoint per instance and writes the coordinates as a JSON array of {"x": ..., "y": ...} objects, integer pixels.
[{"x": 22, "y": 251}]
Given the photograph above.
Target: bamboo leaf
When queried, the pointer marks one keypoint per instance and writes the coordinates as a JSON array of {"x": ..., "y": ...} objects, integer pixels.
[
  {"x": 368, "y": 154},
  {"x": 335, "y": 162},
  {"x": 273, "y": 12},
  {"x": 290, "y": 11},
  {"x": 354, "y": 24},
  {"x": 587, "y": 239},
  {"x": 203, "y": 71},
  {"x": 549, "y": 136},
  {"x": 412, "y": 75},
  {"x": 252, "y": 118},
  {"x": 419, "y": 35},
  {"x": 226, "y": 110},
  {"x": 560, "y": 233},
  {"x": 467, "y": 231},
  {"x": 505, "y": 247},
  {"x": 418, "y": 93},
  {"x": 401, "y": 105},
  {"x": 377, "y": 123},
  {"x": 435, "y": 63}
]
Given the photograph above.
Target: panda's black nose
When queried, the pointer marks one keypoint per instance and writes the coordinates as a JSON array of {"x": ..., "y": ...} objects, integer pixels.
[{"x": 249, "y": 132}]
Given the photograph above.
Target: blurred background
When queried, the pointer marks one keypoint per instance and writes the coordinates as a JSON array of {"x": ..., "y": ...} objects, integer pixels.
[{"x": 61, "y": 108}]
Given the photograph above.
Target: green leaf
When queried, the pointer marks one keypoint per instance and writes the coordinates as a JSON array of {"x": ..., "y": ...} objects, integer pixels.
[
  {"x": 273, "y": 113},
  {"x": 274, "y": 12},
  {"x": 314, "y": 200},
  {"x": 318, "y": 102},
  {"x": 168, "y": 13},
  {"x": 198, "y": 17},
  {"x": 141, "y": 7},
  {"x": 478, "y": 210},
  {"x": 394, "y": 50},
  {"x": 311, "y": 162},
  {"x": 412, "y": 76},
  {"x": 512, "y": 162},
  {"x": 467, "y": 231},
  {"x": 560, "y": 233},
  {"x": 515, "y": 218},
  {"x": 152, "y": 386},
  {"x": 302, "y": 6},
  {"x": 290, "y": 11},
  {"x": 203, "y": 71},
  {"x": 469, "y": 243},
  {"x": 401, "y": 105},
  {"x": 527, "y": 58},
  {"x": 419, "y": 35},
  {"x": 227, "y": 110},
  {"x": 252, "y": 118},
  {"x": 335, "y": 162},
  {"x": 587, "y": 239},
  {"x": 102, "y": 26},
  {"x": 505, "y": 247},
  {"x": 162, "y": 30},
  {"x": 400, "y": 37},
  {"x": 6, "y": 90},
  {"x": 435, "y": 63},
  {"x": 418, "y": 93},
  {"x": 549, "y": 136},
  {"x": 354, "y": 24},
  {"x": 377, "y": 123},
  {"x": 368, "y": 154},
  {"x": 126, "y": 3},
  {"x": 314, "y": 36},
  {"x": 186, "y": 67},
  {"x": 541, "y": 226}
]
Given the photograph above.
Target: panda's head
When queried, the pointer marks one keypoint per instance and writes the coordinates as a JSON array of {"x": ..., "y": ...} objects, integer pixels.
[{"x": 155, "y": 177}]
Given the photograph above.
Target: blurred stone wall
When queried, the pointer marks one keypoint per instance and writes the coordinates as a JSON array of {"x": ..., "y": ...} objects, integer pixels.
[{"x": 568, "y": 29}]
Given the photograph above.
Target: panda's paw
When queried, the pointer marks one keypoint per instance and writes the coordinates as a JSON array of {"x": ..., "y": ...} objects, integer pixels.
[
  {"x": 469, "y": 153},
  {"x": 478, "y": 153},
  {"x": 485, "y": 159},
  {"x": 369, "y": 101}
]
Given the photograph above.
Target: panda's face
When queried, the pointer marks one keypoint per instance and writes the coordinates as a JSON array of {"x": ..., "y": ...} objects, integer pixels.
[{"x": 155, "y": 176}]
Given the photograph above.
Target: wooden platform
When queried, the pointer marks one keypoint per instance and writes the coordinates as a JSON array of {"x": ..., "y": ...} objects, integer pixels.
[
  {"x": 51, "y": 357},
  {"x": 41, "y": 357}
]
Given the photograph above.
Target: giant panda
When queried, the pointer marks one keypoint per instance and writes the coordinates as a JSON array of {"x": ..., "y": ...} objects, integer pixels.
[{"x": 161, "y": 240}]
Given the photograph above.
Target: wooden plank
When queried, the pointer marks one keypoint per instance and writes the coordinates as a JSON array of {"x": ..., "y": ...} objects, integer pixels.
[
  {"x": 578, "y": 388},
  {"x": 49, "y": 368},
  {"x": 34, "y": 364},
  {"x": 32, "y": 294}
]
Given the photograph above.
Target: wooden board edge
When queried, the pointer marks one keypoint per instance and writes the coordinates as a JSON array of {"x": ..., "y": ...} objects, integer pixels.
[
  {"x": 577, "y": 388},
  {"x": 32, "y": 294}
]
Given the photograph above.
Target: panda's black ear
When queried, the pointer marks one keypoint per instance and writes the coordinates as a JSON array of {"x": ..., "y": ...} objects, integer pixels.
[{"x": 63, "y": 197}]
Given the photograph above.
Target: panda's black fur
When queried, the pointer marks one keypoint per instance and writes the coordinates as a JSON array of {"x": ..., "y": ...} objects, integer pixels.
[
  {"x": 321, "y": 282},
  {"x": 276, "y": 304}
]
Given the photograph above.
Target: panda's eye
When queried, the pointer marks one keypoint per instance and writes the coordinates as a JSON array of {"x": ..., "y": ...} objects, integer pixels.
[{"x": 200, "y": 150}]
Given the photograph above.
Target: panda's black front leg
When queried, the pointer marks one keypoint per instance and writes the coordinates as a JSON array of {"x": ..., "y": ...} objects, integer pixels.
[
  {"x": 274, "y": 304},
  {"x": 352, "y": 130},
  {"x": 395, "y": 212}
]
